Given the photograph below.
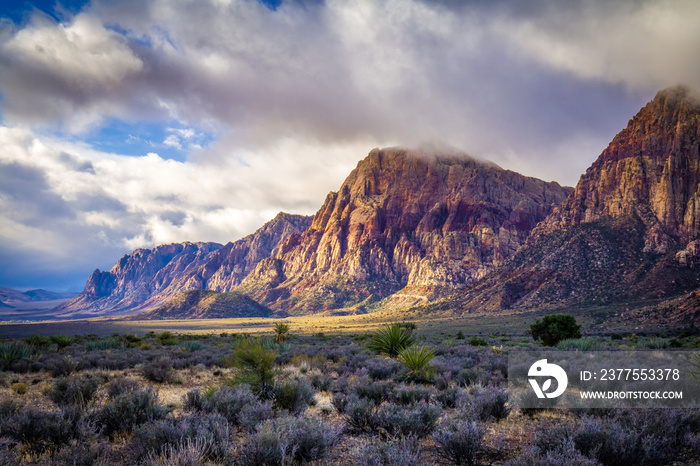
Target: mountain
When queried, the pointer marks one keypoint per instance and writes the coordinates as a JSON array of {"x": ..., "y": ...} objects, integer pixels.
[
  {"x": 630, "y": 231},
  {"x": 206, "y": 304},
  {"x": 148, "y": 278},
  {"x": 407, "y": 224},
  {"x": 8, "y": 295}
]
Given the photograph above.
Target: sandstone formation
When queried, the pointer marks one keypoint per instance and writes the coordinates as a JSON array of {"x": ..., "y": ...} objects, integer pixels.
[
  {"x": 628, "y": 233},
  {"x": 404, "y": 222},
  {"x": 148, "y": 278}
]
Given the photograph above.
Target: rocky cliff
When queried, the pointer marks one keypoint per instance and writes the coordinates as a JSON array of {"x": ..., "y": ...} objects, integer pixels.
[
  {"x": 136, "y": 278},
  {"x": 405, "y": 222},
  {"x": 148, "y": 278},
  {"x": 628, "y": 233}
]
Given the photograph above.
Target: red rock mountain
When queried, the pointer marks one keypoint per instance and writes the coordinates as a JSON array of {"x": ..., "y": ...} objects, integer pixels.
[
  {"x": 628, "y": 233},
  {"x": 148, "y": 278},
  {"x": 404, "y": 222}
]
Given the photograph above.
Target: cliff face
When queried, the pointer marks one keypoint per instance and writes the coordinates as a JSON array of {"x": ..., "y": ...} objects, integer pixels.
[
  {"x": 148, "y": 278},
  {"x": 404, "y": 221},
  {"x": 629, "y": 231},
  {"x": 135, "y": 278},
  {"x": 651, "y": 169}
]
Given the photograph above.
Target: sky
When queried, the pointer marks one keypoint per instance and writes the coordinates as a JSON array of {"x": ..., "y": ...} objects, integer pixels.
[{"x": 132, "y": 123}]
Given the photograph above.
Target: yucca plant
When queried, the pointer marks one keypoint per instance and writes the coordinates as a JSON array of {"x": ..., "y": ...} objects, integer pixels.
[
  {"x": 61, "y": 341},
  {"x": 391, "y": 340},
  {"x": 13, "y": 351},
  {"x": 281, "y": 332},
  {"x": 417, "y": 361}
]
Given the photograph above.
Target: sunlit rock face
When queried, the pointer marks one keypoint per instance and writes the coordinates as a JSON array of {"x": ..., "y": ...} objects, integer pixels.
[{"x": 404, "y": 221}]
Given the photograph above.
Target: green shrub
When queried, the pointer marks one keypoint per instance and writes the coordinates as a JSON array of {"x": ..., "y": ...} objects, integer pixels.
[
  {"x": 477, "y": 341},
  {"x": 555, "y": 328},
  {"x": 293, "y": 396},
  {"x": 417, "y": 361},
  {"x": 166, "y": 339},
  {"x": 256, "y": 361},
  {"x": 616, "y": 336},
  {"x": 391, "y": 339}
]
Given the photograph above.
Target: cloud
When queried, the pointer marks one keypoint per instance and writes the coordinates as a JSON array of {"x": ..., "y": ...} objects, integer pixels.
[
  {"x": 53, "y": 72},
  {"x": 297, "y": 95},
  {"x": 643, "y": 45}
]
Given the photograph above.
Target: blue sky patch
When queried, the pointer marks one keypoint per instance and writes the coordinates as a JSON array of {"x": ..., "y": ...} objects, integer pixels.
[
  {"x": 19, "y": 12},
  {"x": 169, "y": 139}
]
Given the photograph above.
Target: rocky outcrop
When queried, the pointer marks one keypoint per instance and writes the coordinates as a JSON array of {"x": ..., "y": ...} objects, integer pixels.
[
  {"x": 148, "y": 278},
  {"x": 651, "y": 169},
  {"x": 408, "y": 221},
  {"x": 136, "y": 278},
  {"x": 627, "y": 234}
]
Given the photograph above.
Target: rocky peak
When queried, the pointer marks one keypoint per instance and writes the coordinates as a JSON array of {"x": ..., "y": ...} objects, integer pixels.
[
  {"x": 406, "y": 218},
  {"x": 147, "y": 278},
  {"x": 651, "y": 169}
]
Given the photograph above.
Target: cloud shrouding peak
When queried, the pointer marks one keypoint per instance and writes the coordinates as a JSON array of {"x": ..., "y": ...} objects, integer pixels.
[{"x": 270, "y": 109}]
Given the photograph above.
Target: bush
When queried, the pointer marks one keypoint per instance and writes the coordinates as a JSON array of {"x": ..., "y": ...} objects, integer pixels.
[
  {"x": 256, "y": 361},
  {"x": 566, "y": 454},
  {"x": 159, "y": 371},
  {"x": 185, "y": 453},
  {"x": 293, "y": 396},
  {"x": 418, "y": 420},
  {"x": 122, "y": 385},
  {"x": 489, "y": 403},
  {"x": 76, "y": 390},
  {"x": 555, "y": 328},
  {"x": 209, "y": 431},
  {"x": 459, "y": 441},
  {"x": 412, "y": 394},
  {"x": 477, "y": 341},
  {"x": 391, "y": 339},
  {"x": 19, "y": 388},
  {"x": 130, "y": 410},
  {"x": 579, "y": 344},
  {"x": 44, "y": 431},
  {"x": 166, "y": 339},
  {"x": 417, "y": 361},
  {"x": 62, "y": 367},
  {"x": 238, "y": 405},
  {"x": 287, "y": 439},
  {"x": 400, "y": 452}
]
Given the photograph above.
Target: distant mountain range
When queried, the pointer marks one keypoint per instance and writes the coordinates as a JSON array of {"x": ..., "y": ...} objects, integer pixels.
[
  {"x": 454, "y": 234},
  {"x": 16, "y": 304}
]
